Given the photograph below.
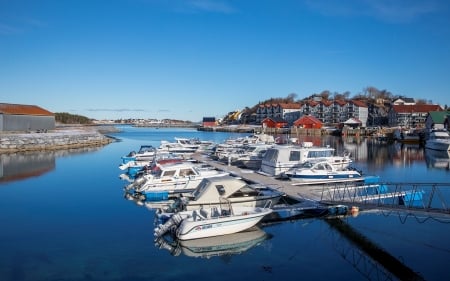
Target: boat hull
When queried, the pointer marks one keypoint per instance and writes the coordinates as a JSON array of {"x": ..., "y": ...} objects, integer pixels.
[{"x": 194, "y": 229}]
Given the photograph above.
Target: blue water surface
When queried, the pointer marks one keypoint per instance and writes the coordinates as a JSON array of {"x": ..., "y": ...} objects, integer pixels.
[{"x": 72, "y": 222}]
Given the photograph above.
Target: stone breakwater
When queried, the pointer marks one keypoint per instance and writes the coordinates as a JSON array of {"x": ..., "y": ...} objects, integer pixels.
[{"x": 59, "y": 139}]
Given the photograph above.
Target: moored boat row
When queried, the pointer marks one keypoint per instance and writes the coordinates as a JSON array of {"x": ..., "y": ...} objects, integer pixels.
[{"x": 196, "y": 200}]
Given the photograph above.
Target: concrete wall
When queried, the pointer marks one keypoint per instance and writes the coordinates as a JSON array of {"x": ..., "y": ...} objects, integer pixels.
[
  {"x": 50, "y": 141},
  {"x": 26, "y": 122}
]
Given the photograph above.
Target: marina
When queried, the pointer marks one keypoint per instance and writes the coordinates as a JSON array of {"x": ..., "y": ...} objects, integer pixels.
[{"x": 90, "y": 229}]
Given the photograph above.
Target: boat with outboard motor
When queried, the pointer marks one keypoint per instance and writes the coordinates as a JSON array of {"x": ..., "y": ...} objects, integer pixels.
[
  {"x": 209, "y": 222},
  {"x": 135, "y": 168},
  {"x": 145, "y": 153},
  {"x": 184, "y": 146},
  {"x": 238, "y": 192},
  {"x": 252, "y": 156},
  {"x": 182, "y": 177}
]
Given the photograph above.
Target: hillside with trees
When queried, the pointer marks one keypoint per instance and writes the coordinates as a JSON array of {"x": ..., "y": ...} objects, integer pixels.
[
  {"x": 376, "y": 99},
  {"x": 67, "y": 118}
]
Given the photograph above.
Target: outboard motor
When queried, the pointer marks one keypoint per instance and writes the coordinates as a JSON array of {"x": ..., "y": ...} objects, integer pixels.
[{"x": 170, "y": 225}]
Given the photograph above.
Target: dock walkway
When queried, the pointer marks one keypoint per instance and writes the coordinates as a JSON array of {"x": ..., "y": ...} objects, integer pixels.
[{"x": 296, "y": 192}]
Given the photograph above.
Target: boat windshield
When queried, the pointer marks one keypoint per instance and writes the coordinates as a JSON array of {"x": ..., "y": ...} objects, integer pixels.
[
  {"x": 307, "y": 164},
  {"x": 320, "y": 153},
  {"x": 271, "y": 155},
  {"x": 245, "y": 191},
  {"x": 200, "y": 188},
  {"x": 146, "y": 149}
]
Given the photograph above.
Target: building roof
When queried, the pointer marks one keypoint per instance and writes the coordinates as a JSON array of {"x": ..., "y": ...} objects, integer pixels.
[
  {"x": 438, "y": 117},
  {"x": 327, "y": 102},
  {"x": 404, "y": 100},
  {"x": 209, "y": 119},
  {"x": 289, "y": 105},
  {"x": 353, "y": 121},
  {"x": 312, "y": 103},
  {"x": 274, "y": 119},
  {"x": 402, "y": 108},
  {"x": 340, "y": 102},
  {"x": 307, "y": 120},
  {"x": 23, "y": 109},
  {"x": 359, "y": 103}
]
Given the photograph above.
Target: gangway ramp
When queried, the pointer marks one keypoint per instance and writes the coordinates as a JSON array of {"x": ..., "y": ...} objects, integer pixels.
[{"x": 431, "y": 199}]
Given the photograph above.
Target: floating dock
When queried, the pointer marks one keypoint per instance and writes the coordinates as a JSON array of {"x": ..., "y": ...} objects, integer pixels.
[{"x": 297, "y": 192}]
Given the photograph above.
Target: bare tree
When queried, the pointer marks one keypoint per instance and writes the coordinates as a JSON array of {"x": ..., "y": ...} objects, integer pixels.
[
  {"x": 325, "y": 94},
  {"x": 291, "y": 97}
]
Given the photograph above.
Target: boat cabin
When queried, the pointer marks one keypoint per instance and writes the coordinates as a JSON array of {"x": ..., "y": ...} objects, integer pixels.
[{"x": 281, "y": 158}]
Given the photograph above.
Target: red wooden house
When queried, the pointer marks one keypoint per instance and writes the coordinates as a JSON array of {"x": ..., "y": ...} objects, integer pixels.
[
  {"x": 308, "y": 122},
  {"x": 273, "y": 122}
]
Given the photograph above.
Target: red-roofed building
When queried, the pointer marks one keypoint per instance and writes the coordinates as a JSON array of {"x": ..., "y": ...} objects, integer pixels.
[
  {"x": 20, "y": 117},
  {"x": 273, "y": 122},
  {"x": 209, "y": 122},
  {"x": 308, "y": 122},
  {"x": 411, "y": 115}
]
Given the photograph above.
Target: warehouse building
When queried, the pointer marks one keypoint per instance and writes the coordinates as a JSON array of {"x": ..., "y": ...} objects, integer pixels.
[{"x": 20, "y": 117}]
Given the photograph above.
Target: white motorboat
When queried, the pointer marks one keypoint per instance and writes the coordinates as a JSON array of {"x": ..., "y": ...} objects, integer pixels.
[
  {"x": 238, "y": 192},
  {"x": 321, "y": 171},
  {"x": 409, "y": 136},
  {"x": 438, "y": 140},
  {"x": 237, "y": 147},
  {"x": 135, "y": 168},
  {"x": 210, "y": 222},
  {"x": 145, "y": 153},
  {"x": 280, "y": 158},
  {"x": 174, "y": 177},
  {"x": 183, "y": 146},
  {"x": 252, "y": 156}
]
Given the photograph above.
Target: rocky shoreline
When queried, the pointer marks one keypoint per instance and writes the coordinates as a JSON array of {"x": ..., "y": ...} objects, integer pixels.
[{"x": 60, "y": 138}]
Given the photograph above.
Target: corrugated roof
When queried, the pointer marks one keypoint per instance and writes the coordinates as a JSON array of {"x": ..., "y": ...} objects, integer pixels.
[{"x": 23, "y": 109}]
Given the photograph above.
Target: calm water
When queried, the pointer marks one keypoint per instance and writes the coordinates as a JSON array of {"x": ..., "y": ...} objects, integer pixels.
[{"x": 63, "y": 216}]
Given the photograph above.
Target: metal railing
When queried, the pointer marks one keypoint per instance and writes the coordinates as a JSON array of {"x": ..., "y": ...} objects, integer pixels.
[{"x": 431, "y": 198}]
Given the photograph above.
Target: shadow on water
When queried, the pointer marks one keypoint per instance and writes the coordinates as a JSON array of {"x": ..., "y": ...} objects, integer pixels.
[{"x": 375, "y": 252}]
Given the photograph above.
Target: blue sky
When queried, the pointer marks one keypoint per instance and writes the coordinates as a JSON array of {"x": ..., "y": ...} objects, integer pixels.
[{"x": 185, "y": 59}]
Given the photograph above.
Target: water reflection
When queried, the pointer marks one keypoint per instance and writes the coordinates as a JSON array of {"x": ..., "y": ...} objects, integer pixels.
[
  {"x": 20, "y": 166},
  {"x": 371, "y": 260},
  {"x": 437, "y": 159},
  {"x": 224, "y": 245}
]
